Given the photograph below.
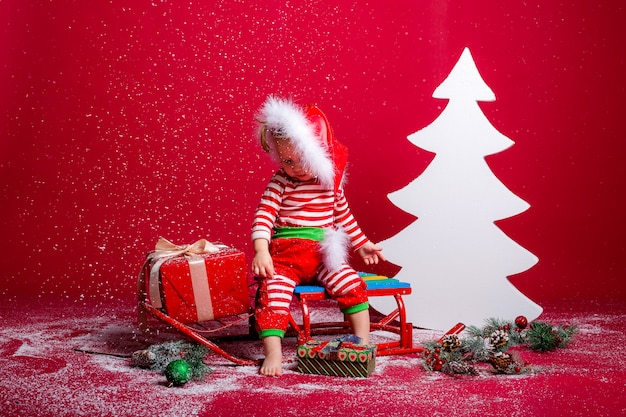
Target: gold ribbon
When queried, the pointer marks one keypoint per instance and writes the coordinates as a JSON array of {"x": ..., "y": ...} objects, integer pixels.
[{"x": 165, "y": 250}]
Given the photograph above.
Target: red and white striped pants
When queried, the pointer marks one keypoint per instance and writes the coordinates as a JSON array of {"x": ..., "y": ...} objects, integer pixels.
[{"x": 297, "y": 261}]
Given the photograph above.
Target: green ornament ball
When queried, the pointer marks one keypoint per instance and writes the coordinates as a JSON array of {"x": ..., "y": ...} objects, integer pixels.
[{"x": 178, "y": 372}]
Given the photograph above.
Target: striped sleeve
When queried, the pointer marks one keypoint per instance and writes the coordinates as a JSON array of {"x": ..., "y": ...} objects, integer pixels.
[
  {"x": 344, "y": 217},
  {"x": 267, "y": 211}
]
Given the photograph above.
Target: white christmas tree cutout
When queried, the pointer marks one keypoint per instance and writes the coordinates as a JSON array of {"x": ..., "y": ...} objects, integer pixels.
[{"x": 456, "y": 259}]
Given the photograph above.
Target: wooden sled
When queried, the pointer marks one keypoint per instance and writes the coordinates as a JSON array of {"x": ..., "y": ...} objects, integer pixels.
[{"x": 195, "y": 332}]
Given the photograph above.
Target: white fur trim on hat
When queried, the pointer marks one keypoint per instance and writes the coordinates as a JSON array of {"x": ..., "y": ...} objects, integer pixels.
[{"x": 309, "y": 138}]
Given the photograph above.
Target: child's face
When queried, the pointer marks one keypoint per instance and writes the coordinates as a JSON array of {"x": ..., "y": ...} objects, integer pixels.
[{"x": 291, "y": 161}]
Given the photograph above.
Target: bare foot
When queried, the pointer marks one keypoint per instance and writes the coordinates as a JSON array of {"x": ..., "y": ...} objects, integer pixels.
[
  {"x": 273, "y": 363},
  {"x": 272, "y": 366}
]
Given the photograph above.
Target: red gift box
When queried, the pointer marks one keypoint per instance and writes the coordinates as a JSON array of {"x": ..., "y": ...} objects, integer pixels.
[{"x": 194, "y": 287}]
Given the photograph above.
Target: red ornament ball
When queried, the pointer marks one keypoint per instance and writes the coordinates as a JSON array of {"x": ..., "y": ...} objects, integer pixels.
[
  {"x": 438, "y": 365},
  {"x": 521, "y": 322}
]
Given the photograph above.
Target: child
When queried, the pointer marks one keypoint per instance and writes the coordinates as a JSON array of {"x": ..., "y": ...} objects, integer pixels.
[{"x": 303, "y": 226}]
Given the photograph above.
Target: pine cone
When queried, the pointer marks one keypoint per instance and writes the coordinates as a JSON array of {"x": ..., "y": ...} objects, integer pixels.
[
  {"x": 498, "y": 338},
  {"x": 143, "y": 358},
  {"x": 458, "y": 367},
  {"x": 450, "y": 342},
  {"x": 500, "y": 361}
]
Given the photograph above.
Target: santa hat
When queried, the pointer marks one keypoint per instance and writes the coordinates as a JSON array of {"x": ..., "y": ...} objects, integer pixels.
[{"x": 311, "y": 134}]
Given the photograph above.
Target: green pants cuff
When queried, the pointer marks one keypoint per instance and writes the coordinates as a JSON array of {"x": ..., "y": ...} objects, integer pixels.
[
  {"x": 356, "y": 308},
  {"x": 271, "y": 332}
]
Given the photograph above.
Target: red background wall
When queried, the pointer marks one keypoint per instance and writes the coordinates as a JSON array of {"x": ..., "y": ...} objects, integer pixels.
[{"x": 127, "y": 120}]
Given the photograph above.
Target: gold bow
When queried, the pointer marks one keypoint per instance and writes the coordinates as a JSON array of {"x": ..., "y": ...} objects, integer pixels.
[{"x": 166, "y": 248}]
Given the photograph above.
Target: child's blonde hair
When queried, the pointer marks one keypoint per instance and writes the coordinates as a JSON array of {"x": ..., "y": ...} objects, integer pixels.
[{"x": 277, "y": 134}]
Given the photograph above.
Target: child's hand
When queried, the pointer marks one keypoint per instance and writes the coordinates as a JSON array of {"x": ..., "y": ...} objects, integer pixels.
[
  {"x": 371, "y": 254},
  {"x": 262, "y": 264}
]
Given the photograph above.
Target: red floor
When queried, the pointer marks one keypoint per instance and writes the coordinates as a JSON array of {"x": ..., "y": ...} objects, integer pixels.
[{"x": 46, "y": 372}]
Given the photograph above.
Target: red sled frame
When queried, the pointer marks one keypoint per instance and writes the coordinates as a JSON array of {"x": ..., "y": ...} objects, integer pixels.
[
  {"x": 394, "y": 322},
  {"x": 144, "y": 307}
]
